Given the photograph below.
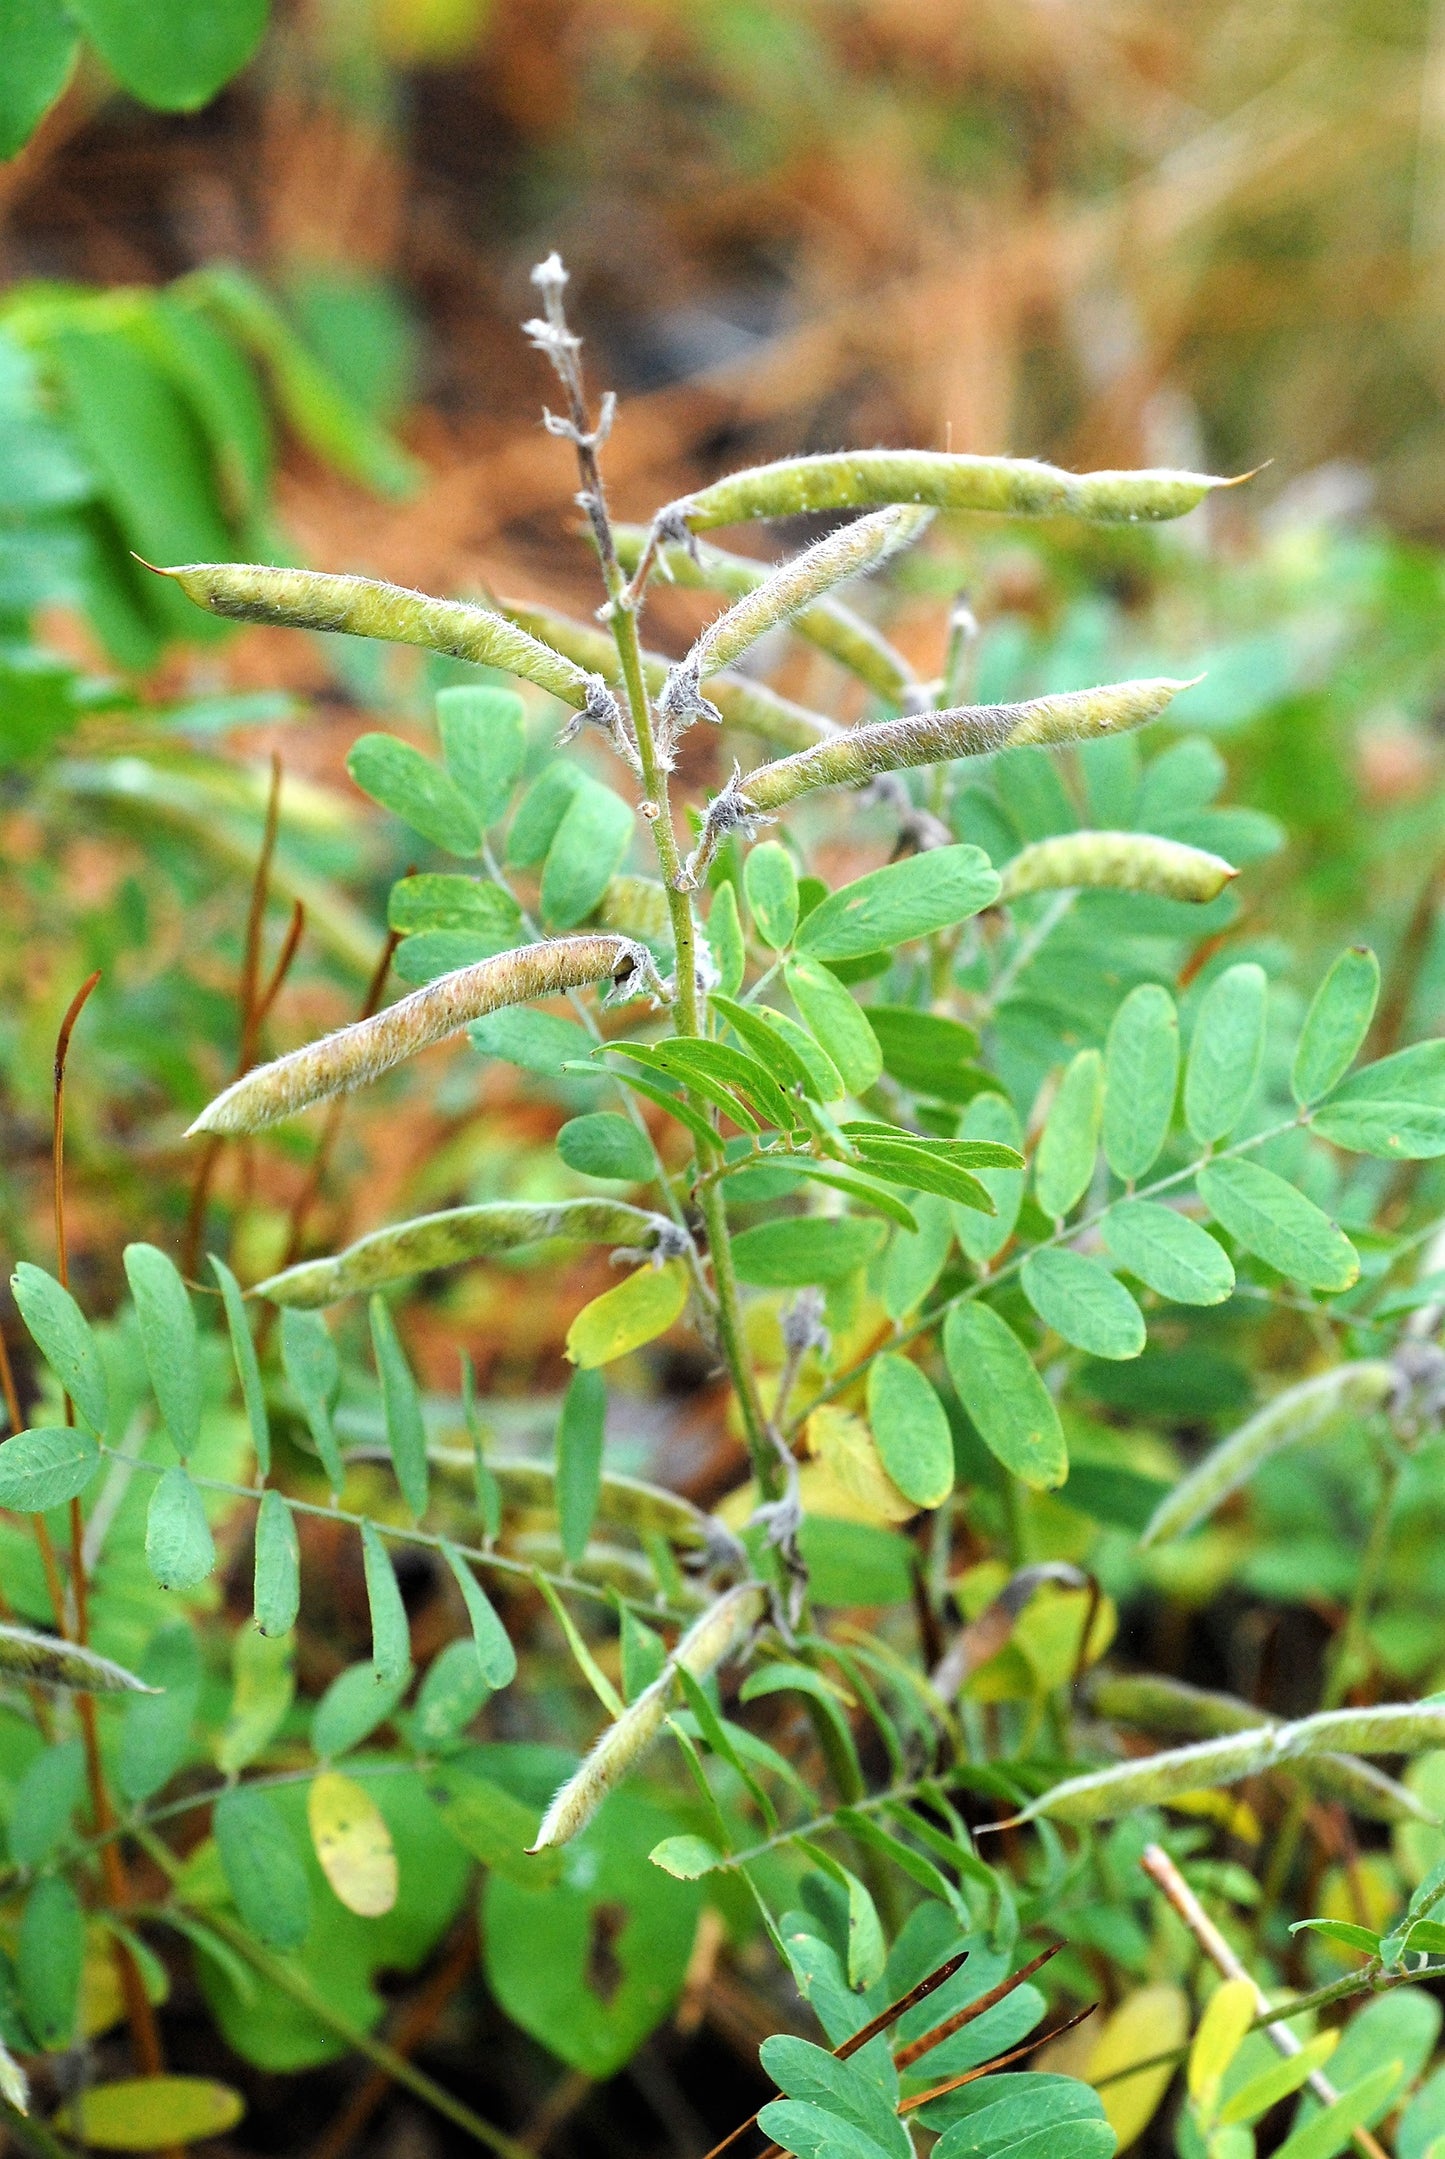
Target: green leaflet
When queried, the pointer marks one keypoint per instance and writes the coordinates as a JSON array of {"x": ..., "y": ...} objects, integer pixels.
[
  {"x": 1064, "y": 1163},
  {"x": 450, "y": 1695},
  {"x": 725, "y": 940},
  {"x": 1330, "y": 2130},
  {"x": 602, "y": 1144},
  {"x": 484, "y": 742},
  {"x": 420, "y": 793},
  {"x": 839, "y": 1023},
  {"x": 1225, "y": 1052},
  {"x": 540, "y": 812},
  {"x": 636, "y": 1312},
  {"x": 264, "y": 1870},
  {"x": 276, "y": 1596},
  {"x": 908, "y": 899},
  {"x": 401, "y": 1407},
  {"x": 770, "y": 881},
  {"x": 41, "y": 45},
  {"x": 308, "y": 1356},
  {"x": 991, "y": 1117},
  {"x": 1396, "y": 1131},
  {"x": 390, "y": 1633},
  {"x": 49, "y": 1959},
  {"x": 1009, "y": 1404},
  {"x": 916, "y": 1258},
  {"x": 492, "y": 1824},
  {"x": 46, "y": 1467},
  {"x": 495, "y": 1654},
  {"x": 58, "y": 1328},
  {"x": 810, "y": 2074},
  {"x": 1279, "y": 1225},
  {"x": 355, "y": 1704},
  {"x": 924, "y": 1166},
  {"x": 243, "y": 1349},
  {"x": 44, "y": 1803},
  {"x": 179, "y": 1549},
  {"x": 789, "y": 1254},
  {"x": 1336, "y": 1024},
  {"x": 792, "y": 1058},
  {"x": 262, "y": 1691},
  {"x": 592, "y": 837},
  {"x": 579, "y": 1461},
  {"x": 1141, "y": 1074},
  {"x": 174, "y": 54},
  {"x": 155, "y": 1730},
  {"x": 927, "y": 1052},
  {"x": 443, "y": 901},
  {"x": 911, "y": 1429},
  {"x": 1168, "y": 1252},
  {"x": 1082, "y": 1301},
  {"x": 168, "y": 1340}
]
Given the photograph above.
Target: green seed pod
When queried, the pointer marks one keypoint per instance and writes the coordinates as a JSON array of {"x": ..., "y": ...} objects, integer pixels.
[
  {"x": 46, "y": 1660},
  {"x": 463, "y": 1233},
  {"x": 827, "y": 623},
  {"x": 355, "y": 1055},
  {"x": 742, "y": 703},
  {"x": 1119, "y": 862},
  {"x": 930, "y": 738},
  {"x": 1390, "y": 1728},
  {"x": 722, "y": 1629},
  {"x": 848, "y": 552},
  {"x": 1173, "y": 1710},
  {"x": 365, "y": 607},
  {"x": 1299, "y": 1413},
  {"x": 1013, "y": 486},
  {"x": 527, "y": 1493}
]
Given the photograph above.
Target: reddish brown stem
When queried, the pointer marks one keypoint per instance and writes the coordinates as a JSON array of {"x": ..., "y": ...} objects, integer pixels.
[
  {"x": 906, "y": 2056},
  {"x": 62, "y": 1052},
  {"x": 416, "y": 2022},
  {"x": 1000, "y": 2061}
]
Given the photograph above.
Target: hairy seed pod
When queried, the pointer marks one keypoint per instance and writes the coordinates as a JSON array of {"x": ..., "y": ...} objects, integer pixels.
[
  {"x": 827, "y": 623},
  {"x": 1118, "y": 862},
  {"x": 723, "y": 1628},
  {"x": 861, "y": 546},
  {"x": 1389, "y": 1728},
  {"x": 46, "y": 1660},
  {"x": 1299, "y": 1413},
  {"x": 463, "y": 1233},
  {"x": 1014, "y": 486},
  {"x": 1171, "y": 1709},
  {"x": 742, "y": 703},
  {"x": 355, "y": 1055},
  {"x": 928, "y": 738},
  {"x": 365, "y": 607}
]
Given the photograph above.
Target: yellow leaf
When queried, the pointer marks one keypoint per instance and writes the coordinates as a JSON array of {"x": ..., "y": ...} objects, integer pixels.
[
  {"x": 1150, "y": 2022},
  {"x": 1367, "y": 1894},
  {"x": 141, "y": 2113},
  {"x": 352, "y": 1843},
  {"x": 844, "y": 1447},
  {"x": 1230, "y": 2012},
  {"x": 1234, "y": 1816},
  {"x": 622, "y": 1319}
]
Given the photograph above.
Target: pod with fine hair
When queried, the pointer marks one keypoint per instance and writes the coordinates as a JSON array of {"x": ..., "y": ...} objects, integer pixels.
[
  {"x": 462, "y": 1233},
  {"x": 828, "y": 623},
  {"x": 930, "y": 738},
  {"x": 1116, "y": 862},
  {"x": 46, "y": 1660},
  {"x": 367, "y": 607},
  {"x": 354, "y": 1055},
  {"x": 1299, "y": 1413},
  {"x": 1172, "y": 1709},
  {"x": 1012, "y": 486},
  {"x": 1389, "y": 1728},
  {"x": 722, "y": 1629},
  {"x": 863, "y": 545}
]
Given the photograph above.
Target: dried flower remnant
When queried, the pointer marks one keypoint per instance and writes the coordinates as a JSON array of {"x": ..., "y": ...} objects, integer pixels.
[{"x": 355, "y": 1055}]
